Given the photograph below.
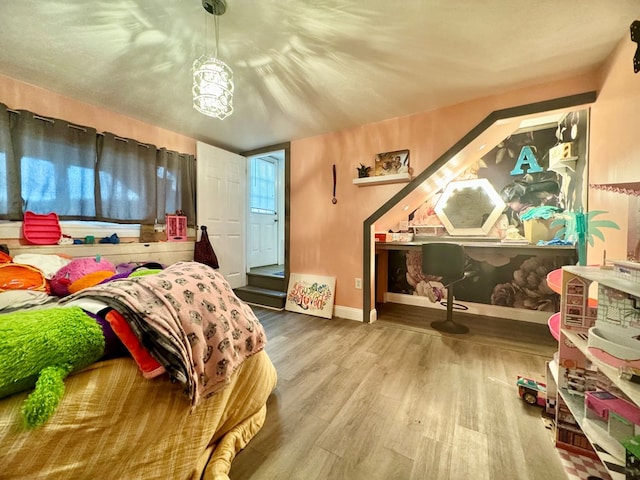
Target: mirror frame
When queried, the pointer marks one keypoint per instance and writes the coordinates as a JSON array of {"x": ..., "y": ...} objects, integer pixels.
[{"x": 455, "y": 187}]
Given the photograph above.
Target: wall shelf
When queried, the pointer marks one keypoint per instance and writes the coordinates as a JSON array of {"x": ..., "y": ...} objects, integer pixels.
[{"x": 382, "y": 179}]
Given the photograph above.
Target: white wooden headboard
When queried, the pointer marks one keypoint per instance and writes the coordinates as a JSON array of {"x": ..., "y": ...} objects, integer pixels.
[{"x": 161, "y": 252}]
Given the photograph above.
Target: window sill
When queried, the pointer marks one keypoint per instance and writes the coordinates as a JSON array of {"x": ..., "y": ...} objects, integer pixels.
[{"x": 13, "y": 230}]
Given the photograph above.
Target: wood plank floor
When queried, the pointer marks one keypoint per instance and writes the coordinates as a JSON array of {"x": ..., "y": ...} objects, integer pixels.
[{"x": 397, "y": 400}]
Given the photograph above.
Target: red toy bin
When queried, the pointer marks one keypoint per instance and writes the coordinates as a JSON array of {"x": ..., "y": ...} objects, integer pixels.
[{"x": 41, "y": 229}]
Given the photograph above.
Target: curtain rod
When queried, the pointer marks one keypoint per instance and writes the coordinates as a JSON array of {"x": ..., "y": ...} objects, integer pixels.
[{"x": 70, "y": 125}]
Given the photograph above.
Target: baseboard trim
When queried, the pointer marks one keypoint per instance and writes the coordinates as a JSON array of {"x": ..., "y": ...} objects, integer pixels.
[
  {"x": 520, "y": 314},
  {"x": 348, "y": 313}
]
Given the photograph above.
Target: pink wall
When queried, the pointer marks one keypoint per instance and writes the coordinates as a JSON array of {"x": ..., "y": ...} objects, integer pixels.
[
  {"x": 327, "y": 239},
  {"x": 22, "y": 96},
  {"x": 614, "y": 154}
]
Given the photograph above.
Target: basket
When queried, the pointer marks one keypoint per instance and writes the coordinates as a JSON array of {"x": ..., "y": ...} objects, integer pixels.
[{"x": 41, "y": 229}]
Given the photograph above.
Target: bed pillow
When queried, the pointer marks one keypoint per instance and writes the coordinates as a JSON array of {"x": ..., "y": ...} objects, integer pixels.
[
  {"x": 47, "y": 264},
  {"x": 20, "y": 299}
]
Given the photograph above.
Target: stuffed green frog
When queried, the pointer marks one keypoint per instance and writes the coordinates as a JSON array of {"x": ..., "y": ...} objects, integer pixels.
[{"x": 40, "y": 348}]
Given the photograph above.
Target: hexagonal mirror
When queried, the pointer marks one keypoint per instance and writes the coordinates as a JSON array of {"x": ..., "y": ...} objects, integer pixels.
[{"x": 469, "y": 207}]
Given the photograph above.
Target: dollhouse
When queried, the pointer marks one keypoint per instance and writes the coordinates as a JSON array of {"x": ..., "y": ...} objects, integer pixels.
[{"x": 597, "y": 411}]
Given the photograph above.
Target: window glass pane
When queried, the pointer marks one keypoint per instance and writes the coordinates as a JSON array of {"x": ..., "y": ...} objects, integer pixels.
[
  {"x": 38, "y": 184},
  {"x": 262, "y": 192}
]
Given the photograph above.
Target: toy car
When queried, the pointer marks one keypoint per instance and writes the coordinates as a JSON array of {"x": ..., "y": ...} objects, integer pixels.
[{"x": 532, "y": 391}]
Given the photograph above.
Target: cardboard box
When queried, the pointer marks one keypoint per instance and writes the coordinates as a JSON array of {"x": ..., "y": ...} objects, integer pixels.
[
  {"x": 539, "y": 229},
  {"x": 149, "y": 234}
]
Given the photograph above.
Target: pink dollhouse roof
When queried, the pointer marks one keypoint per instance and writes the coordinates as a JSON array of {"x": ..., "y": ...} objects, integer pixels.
[{"x": 630, "y": 188}]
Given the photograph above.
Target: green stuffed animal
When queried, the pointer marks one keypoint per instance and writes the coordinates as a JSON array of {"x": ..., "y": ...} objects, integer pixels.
[{"x": 40, "y": 348}]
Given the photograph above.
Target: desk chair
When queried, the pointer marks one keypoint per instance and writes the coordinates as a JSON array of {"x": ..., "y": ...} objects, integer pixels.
[{"x": 445, "y": 260}]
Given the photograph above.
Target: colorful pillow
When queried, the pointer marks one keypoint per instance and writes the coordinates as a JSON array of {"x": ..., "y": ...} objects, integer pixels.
[
  {"x": 89, "y": 280},
  {"x": 5, "y": 257},
  {"x": 76, "y": 269},
  {"x": 149, "y": 366},
  {"x": 22, "y": 277}
]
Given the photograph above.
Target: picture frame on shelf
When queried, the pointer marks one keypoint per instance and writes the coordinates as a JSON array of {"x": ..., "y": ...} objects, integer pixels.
[{"x": 391, "y": 163}]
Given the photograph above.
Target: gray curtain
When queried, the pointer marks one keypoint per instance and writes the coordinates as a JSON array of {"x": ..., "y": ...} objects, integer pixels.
[
  {"x": 55, "y": 163},
  {"x": 50, "y": 165},
  {"x": 10, "y": 201},
  {"x": 126, "y": 188},
  {"x": 176, "y": 184}
]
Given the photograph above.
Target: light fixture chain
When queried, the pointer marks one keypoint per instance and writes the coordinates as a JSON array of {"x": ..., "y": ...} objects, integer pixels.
[
  {"x": 216, "y": 22},
  {"x": 212, "y": 78}
]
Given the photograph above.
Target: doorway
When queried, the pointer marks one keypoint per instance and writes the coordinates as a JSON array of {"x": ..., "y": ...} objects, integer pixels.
[
  {"x": 267, "y": 212},
  {"x": 264, "y": 212}
]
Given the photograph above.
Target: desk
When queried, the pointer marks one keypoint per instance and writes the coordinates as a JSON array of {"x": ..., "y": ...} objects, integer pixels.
[{"x": 501, "y": 274}]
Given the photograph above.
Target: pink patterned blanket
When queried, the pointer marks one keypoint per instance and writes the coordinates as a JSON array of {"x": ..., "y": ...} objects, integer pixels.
[{"x": 190, "y": 320}]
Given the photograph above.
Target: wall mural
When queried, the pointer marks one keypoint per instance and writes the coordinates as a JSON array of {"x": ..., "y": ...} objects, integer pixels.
[
  {"x": 505, "y": 279},
  {"x": 541, "y": 167}
]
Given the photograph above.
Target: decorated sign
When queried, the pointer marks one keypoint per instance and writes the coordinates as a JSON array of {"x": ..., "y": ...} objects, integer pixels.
[{"x": 311, "y": 294}]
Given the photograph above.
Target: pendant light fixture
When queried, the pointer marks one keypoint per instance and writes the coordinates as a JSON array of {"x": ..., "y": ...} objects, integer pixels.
[{"x": 212, "y": 78}]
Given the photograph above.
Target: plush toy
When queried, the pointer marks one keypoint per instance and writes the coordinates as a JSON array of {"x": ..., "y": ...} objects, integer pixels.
[
  {"x": 96, "y": 269},
  {"x": 40, "y": 348}
]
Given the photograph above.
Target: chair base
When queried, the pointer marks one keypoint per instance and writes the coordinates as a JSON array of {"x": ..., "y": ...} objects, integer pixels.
[{"x": 449, "y": 326}]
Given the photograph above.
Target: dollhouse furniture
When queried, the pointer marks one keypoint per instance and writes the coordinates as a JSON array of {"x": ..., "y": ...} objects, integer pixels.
[
  {"x": 597, "y": 408},
  {"x": 445, "y": 260}
]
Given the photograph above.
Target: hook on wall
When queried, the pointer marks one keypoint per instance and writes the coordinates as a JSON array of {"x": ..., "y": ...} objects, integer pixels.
[{"x": 635, "y": 37}]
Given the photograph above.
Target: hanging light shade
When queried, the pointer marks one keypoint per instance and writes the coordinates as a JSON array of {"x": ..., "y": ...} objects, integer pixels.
[
  {"x": 212, "y": 78},
  {"x": 212, "y": 87}
]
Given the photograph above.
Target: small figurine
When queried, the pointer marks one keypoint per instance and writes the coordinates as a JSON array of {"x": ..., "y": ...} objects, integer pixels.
[{"x": 363, "y": 171}]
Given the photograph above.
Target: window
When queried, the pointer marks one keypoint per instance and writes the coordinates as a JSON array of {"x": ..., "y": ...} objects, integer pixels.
[
  {"x": 262, "y": 196},
  {"x": 50, "y": 165}
]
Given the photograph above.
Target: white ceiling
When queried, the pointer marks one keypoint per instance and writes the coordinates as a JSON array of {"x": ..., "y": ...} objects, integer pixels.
[{"x": 302, "y": 68}]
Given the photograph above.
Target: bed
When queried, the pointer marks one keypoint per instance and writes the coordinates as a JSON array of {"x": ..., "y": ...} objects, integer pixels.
[{"x": 113, "y": 423}]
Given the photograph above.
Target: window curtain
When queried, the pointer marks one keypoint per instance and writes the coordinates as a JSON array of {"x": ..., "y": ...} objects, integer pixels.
[
  {"x": 56, "y": 162},
  {"x": 51, "y": 165},
  {"x": 176, "y": 184},
  {"x": 126, "y": 188},
  {"x": 10, "y": 200}
]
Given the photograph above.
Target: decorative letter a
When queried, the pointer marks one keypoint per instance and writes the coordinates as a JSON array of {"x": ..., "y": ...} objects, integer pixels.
[{"x": 526, "y": 157}]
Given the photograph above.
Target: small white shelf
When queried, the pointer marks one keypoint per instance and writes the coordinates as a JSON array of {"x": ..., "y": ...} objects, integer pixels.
[
  {"x": 632, "y": 390},
  {"x": 607, "y": 278},
  {"x": 382, "y": 179},
  {"x": 596, "y": 433}
]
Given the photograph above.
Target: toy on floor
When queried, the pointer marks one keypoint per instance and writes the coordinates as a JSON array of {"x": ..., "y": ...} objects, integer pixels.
[{"x": 532, "y": 391}]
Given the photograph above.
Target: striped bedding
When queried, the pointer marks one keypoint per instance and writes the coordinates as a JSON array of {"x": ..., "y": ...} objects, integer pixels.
[{"x": 111, "y": 424}]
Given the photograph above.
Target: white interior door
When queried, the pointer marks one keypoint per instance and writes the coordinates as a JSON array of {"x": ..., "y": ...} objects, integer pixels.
[
  {"x": 221, "y": 203},
  {"x": 263, "y": 211}
]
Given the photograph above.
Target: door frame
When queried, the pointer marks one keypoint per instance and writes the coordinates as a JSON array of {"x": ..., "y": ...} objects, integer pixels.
[
  {"x": 260, "y": 219},
  {"x": 284, "y": 191}
]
